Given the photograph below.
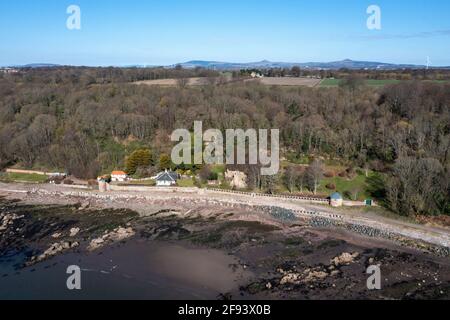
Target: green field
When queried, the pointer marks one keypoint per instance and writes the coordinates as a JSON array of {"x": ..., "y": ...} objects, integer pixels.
[
  {"x": 185, "y": 183},
  {"x": 330, "y": 82},
  {"x": 23, "y": 177},
  {"x": 375, "y": 83},
  {"x": 354, "y": 189},
  {"x": 148, "y": 183},
  {"x": 370, "y": 82}
]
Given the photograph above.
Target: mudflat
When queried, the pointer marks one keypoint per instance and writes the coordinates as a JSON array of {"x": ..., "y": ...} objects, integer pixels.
[{"x": 201, "y": 252}]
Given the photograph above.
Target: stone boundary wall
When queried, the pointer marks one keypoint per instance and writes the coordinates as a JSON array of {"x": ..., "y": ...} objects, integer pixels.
[
  {"x": 419, "y": 241},
  {"x": 245, "y": 193},
  {"x": 74, "y": 186},
  {"x": 253, "y": 194},
  {"x": 113, "y": 187}
]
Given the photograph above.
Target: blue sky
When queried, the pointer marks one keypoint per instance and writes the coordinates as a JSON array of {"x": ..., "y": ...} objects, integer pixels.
[{"x": 159, "y": 32}]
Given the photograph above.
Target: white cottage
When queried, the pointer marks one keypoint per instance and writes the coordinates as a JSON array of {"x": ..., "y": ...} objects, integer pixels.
[{"x": 119, "y": 176}]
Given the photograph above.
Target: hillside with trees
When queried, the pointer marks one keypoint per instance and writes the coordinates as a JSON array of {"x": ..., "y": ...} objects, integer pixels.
[{"x": 88, "y": 121}]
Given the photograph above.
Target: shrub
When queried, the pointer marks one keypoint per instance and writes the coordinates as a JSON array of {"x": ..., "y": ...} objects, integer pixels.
[
  {"x": 207, "y": 174},
  {"x": 55, "y": 180},
  {"x": 196, "y": 182},
  {"x": 329, "y": 174},
  {"x": 331, "y": 186},
  {"x": 68, "y": 181},
  {"x": 139, "y": 158},
  {"x": 350, "y": 171},
  {"x": 164, "y": 162},
  {"x": 377, "y": 165},
  {"x": 92, "y": 182},
  {"x": 213, "y": 176}
]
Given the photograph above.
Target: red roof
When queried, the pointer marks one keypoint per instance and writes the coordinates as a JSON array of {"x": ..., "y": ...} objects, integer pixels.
[{"x": 118, "y": 173}]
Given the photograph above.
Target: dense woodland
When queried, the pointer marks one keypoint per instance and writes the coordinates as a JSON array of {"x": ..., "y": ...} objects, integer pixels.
[{"x": 88, "y": 120}]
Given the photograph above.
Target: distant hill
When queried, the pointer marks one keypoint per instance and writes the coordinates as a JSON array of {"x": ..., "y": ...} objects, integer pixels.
[
  {"x": 40, "y": 65},
  {"x": 349, "y": 64},
  {"x": 265, "y": 64}
]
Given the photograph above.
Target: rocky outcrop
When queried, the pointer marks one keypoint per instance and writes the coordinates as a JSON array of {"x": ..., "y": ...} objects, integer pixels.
[
  {"x": 306, "y": 276},
  {"x": 85, "y": 205},
  {"x": 7, "y": 220},
  {"x": 74, "y": 231},
  {"x": 117, "y": 234},
  {"x": 319, "y": 273},
  {"x": 344, "y": 259},
  {"x": 53, "y": 250},
  {"x": 237, "y": 179}
]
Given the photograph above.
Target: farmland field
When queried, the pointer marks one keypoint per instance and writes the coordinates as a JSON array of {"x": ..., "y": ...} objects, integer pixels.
[
  {"x": 276, "y": 81},
  {"x": 171, "y": 82},
  {"x": 370, "y": 82},
  {"x": 330, "y": 82},
  {"x": 288, "y": 81}
]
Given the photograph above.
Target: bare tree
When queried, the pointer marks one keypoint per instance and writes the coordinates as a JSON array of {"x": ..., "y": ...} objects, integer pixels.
[
  {"x": 418, "y": 186},
  {"x": 300, "y": 181},
  {"x": 314, "y": 173},
  {"x": 289, "y": 178},
  {"x": 182, "y": 82},
  {"x": 269, "y": 183}
]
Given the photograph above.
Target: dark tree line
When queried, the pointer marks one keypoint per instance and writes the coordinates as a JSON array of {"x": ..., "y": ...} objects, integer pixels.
[{"x": 404, "y": 74}]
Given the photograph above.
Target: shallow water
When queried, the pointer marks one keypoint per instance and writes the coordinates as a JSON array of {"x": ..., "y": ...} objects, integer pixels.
[{"x": 138, "y": 269}]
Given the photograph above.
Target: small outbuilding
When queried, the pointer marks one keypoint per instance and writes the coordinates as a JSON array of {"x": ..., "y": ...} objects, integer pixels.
[
  {"x": 167, "y": 179},
  {"x": 336, "y": 200}
]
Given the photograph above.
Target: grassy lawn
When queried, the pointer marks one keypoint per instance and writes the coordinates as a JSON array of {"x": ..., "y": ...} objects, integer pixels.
[
  {"x": 185, "y": 183},
  {"x": 23, "y": 177},
  {"x": 149, "y": 183},
  {"x": 370, "y": 82},
  {"x": 355, "y": 188},
  {"x": 218, "y": 168},
  {"x": 375, "y": 83},
  {"x": 330, "y": 83}
]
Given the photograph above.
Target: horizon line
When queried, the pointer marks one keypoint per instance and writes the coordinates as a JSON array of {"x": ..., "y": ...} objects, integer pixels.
[{"x": 150, "y": 65}]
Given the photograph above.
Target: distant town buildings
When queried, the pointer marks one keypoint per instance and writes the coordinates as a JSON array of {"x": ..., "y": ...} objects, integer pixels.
[
  {"x": 256, "y": 75},
  {"x": 8, "y": 70}
]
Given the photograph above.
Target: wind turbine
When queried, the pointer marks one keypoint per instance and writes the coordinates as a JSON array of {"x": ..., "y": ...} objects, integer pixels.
[{"x": 428, "y": 62}]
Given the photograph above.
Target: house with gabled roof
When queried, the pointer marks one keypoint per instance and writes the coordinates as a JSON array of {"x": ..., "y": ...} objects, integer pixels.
[
  {"x": 167, "y": 179},
  {"x": 119, "y": 176}
]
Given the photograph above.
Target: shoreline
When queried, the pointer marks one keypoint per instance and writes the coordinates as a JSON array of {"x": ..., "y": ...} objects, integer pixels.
[
  {"x": 436, "y": 240},
  {"x": 283, "y": 256}
]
